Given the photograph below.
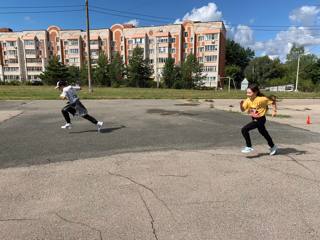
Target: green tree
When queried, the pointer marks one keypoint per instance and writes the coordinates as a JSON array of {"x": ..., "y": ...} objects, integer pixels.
[
  {"x": 101, "y": 74},
  {"x": 262, "y": 70},
  {"x": 54, "y": 72},
  {"x": 84, "y": 74},
  {"x": 74, "y": 74},
  {"x": 191, "y": 72},
  {"x": 168, "y": 73},
  {"x": 233, "y": 71},
  {"x": 116, "y": 71},
  {"x": 238, "y": 56},
  {"x": 139, "y": 70}
]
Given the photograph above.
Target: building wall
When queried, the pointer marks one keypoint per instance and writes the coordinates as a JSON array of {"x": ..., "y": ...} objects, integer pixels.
[{"x": 204, "y": 39}]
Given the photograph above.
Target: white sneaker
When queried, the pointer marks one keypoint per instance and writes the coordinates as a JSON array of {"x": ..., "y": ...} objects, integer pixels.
[
  {"x": 99, "y": 126},
  {"x": 66, "y": 126},
  {"x": 273, "y": 150},
  {"x": 247, "y": 150}
]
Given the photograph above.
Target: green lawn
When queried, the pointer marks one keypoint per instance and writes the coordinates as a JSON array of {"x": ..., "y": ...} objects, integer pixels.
[{"x": 49, "y": 93}]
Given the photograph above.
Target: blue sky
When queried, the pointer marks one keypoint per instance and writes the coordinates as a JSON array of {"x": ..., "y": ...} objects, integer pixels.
[{"x": 251, "y": 24}]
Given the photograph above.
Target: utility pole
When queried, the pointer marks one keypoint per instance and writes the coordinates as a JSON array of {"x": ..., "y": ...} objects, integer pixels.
[
  {"x": 88, "y": 47},
  {"x": 297, "y": 77}
]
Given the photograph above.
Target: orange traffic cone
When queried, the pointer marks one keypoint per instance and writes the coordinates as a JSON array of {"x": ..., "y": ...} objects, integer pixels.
[{"x": 308, "y": 120}]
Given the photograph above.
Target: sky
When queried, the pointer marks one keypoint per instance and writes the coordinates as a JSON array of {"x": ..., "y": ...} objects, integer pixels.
[{"x": 269, "y": 27}]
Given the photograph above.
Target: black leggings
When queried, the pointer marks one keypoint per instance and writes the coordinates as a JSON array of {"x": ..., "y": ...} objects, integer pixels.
[
  {"x": 260, "y": 124},
  {"x": 71, "y": 109}
]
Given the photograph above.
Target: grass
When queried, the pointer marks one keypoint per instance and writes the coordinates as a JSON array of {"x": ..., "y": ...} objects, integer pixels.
[{"x": 49, "y": 93}]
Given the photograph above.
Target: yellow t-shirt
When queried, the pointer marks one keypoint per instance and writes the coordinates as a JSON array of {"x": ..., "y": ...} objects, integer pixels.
[{"x": 258, "y": 107}]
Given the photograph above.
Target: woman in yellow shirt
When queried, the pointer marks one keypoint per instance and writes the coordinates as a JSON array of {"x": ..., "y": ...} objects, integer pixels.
[{"x": 256, "y": 105}]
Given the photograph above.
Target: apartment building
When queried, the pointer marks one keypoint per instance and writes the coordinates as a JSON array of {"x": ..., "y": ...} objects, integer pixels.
[{"x": 23, "y": 55}]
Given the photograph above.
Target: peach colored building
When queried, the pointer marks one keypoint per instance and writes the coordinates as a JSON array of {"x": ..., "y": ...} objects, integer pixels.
[{"x": 23, "y": 55}]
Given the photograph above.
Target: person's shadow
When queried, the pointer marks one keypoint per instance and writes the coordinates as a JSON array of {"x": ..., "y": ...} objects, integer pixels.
[
  {"x": 281, "y": 151},
  {"x": 103, "y": 130}
]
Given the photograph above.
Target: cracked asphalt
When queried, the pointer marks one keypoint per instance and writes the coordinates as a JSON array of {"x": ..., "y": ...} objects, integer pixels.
[{"x": 160, "y": 169}]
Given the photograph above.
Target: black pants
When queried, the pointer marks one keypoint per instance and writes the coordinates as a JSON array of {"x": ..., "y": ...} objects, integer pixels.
[
  {"x": 71, "y": 109},
  {"x": 260, "y": 124}
]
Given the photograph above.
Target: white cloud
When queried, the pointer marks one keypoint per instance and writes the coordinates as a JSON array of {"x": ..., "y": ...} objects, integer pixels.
[
  {"x": 243, "y": 35},
  {"x": 134, "y": 22},
  {"x": 305, "y": 15},
  {"x": 206, "y": 13}
]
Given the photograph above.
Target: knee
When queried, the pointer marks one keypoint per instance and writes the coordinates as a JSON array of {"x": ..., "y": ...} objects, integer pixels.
[
  {"x": 244, "y": 130},
  {"x": 63, "y": 110}
]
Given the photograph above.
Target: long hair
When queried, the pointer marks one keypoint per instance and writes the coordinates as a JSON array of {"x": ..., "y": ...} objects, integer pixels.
[{"x": 255, "y": 88}]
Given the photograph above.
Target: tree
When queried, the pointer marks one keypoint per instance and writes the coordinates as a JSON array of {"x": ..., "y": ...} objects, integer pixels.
[
  {"x": 116, "y": 71},
  {"x": 294, "y": 53},
  {"x": 139, "y": 70},
  {"x": 101, "y": 74},
  {"x": 74, "y": 74},
  {"x": 238, "y": 56},
  {"x": 54, "y": 72},
  {"x": 262, "y": 70},
  {"x": 233, "y": 71},
  {"x": 191, "y": 72},
  {"x": 168, "y": 73}
]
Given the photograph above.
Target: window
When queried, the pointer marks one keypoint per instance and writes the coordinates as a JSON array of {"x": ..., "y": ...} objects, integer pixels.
[
  {"x": 12, "y": 52},
  {"x": 28, "y": 42},
  {"x": 95, "y": 52},
  {"x": 121, "y": 48},
  {"x": 11, "y": 61},
  {"x": 211, "y": 58},
  {"x": 163, "y": 50},
  {"x": 201, "y": 49},
  {"x": 151, "y": 41},
  {"x": 162, "y": 40},
  {"x": 73, "y": 42},
  {"x": 172, "y": 50},
  {"x": 57, "y": 39},
  {"x": 74, "y": 60},
  {"x": 65, "y": 52},
  {"x": 172, "y": 40},
  {"x": 186, "y": 34},
  {"x": 211, "y": 79},
  {"x": 66, "y": 43},
  {"x": 200, "y": 38},
  {"x": 33, "y": 60},
  {"x": 209, "y": 68},
  {"x": 30, "y": 51},
  {"x": 151, "y": 51},
  {"x": 151, "y": 61},
  {"x": 73, "y": 51},
  {"x": 130, "y": 41},
  {"x": 211, "y": 48},
  {"x": 186, "y": 45},
  {"x": 94, "y": 42},
  {"x": 11, "y": 77},
  {"x": 12, "y": 43},
  {"x": 11, "y": 69},
  {"x": 34, "y": 69},
  {"x": 162, "y": 60},
  {"x": 200, "y": 59},
  {"x": 139, "y": 40},
  {"x": 191, "y": 39},
  {"x": 212, "y": 36}
]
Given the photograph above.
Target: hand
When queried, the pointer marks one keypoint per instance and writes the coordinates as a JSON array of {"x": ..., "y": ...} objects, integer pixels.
[{"x": 241, "y": 103}]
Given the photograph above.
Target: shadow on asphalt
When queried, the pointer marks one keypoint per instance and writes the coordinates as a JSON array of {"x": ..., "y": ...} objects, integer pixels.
[
  {"x": 281, "y": 151},
  {"x": 104, "y": 130}
]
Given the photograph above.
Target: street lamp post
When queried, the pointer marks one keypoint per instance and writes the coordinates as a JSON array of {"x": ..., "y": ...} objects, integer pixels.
[
  {"x": 297, "y": 77},
  {"x": 88, "y": 47}
]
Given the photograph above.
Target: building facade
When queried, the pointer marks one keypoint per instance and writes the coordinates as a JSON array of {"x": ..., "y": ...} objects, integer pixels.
[{"x": 24, "y": 55}]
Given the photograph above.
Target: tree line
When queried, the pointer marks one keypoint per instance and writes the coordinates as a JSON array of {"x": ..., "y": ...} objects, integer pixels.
[
  {"x": 138, "y": 72},
  {"x": 240, "y": 63}
]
